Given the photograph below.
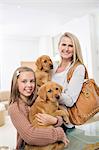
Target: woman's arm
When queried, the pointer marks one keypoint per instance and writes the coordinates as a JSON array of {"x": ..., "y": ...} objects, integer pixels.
[
  {"x": 30, "y": 135},
  {"x": 70, "y": 95}
]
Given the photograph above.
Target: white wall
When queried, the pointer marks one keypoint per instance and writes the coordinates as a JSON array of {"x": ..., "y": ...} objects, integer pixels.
[
  {"x": 95, "y": 44},
  {"x": 15, "y": 49}
]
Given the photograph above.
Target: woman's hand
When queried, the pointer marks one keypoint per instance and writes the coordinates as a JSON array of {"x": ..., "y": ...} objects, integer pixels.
[{"x": 46, "y": 119}]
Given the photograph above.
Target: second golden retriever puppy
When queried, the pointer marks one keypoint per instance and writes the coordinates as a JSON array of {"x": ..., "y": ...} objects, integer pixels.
[
  {"x": 47, "y": 102},
  {"x": 44, "y": 66}
]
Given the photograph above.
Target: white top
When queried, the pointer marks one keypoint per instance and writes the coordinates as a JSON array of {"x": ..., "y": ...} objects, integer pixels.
[{"x": 72, "y": 89}]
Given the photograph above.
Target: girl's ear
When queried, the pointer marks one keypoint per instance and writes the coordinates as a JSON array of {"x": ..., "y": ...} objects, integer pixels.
[{"x": 42, "y": 92}]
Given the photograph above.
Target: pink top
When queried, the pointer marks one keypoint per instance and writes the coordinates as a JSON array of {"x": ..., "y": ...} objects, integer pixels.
[{"x": 25, "y": 131}]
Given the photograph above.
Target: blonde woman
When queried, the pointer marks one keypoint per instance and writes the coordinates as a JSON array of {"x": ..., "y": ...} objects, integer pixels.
[
  {"x": 70, "y": 53},
  {"x": 23, "y": 94}
]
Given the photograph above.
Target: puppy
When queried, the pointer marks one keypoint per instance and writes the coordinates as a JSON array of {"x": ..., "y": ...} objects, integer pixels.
[
  {"x": 43, "y": 72},
  {"x": 47, "y": 102}
]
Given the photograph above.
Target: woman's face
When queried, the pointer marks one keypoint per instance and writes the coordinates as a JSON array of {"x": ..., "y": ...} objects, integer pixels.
[
  {"x": 66, "y": 48},
  {"x": 26, "y": 84}
]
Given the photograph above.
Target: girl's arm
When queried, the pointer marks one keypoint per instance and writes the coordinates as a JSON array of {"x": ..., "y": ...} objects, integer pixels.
[{"x": 33, "y": 136}]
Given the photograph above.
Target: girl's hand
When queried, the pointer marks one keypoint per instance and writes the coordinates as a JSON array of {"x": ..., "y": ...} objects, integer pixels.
[
  {"x": 46, "y": 119},
  {"x": 65, "y": 140}
]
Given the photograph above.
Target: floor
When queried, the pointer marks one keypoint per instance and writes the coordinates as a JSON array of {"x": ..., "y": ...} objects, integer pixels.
[{"x": 79, "y": 137}]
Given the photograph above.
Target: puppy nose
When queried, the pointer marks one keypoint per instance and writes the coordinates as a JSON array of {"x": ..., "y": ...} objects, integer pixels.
[
  {"x": 57, "y": 96},
  {"x": 51, "y": 66}
]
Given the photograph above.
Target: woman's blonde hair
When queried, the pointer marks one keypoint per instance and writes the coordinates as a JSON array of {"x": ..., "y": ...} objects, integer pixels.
[
  {"x": 15, "y": 94},
  {"x": 77, "y": 56}
]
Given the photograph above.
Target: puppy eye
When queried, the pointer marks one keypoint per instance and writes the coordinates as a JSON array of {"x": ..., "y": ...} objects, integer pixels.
[
  {"x": 50, "y": 91},
  {"x": 56, "y": 88},
  {"x": 45, "y": 61}
]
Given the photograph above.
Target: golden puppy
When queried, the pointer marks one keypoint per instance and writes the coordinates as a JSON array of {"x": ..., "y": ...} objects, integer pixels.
[
  {"x": 43, "y": 73},
  {"x": 47, "y": 102}
]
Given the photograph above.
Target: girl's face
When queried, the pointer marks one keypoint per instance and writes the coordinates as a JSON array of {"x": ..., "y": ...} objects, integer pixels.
[
  {"x": 26, "y": 84},
  {"x": 66, "y": 48}
]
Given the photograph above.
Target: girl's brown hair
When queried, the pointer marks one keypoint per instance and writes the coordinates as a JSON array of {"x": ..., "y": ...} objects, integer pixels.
[{"x": 14, "y": 94}]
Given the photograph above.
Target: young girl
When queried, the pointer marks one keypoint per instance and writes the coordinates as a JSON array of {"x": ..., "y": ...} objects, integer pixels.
[
  {"x": 70, "y": 53},
  {"x": 23, "y": 94}
]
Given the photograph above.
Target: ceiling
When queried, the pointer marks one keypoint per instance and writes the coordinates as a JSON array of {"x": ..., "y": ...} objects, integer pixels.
[{"x": 41, "y": 17}]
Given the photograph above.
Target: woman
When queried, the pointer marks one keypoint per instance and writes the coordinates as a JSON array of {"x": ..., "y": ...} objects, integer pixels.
[{"x": 70, "y": 53}]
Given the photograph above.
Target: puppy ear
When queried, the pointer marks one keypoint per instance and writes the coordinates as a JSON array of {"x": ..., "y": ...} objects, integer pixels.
[
  {"x": 38, "y": 63},
  {"x": 61, "y": 88},
  {"x": 42, "y": 92}
]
